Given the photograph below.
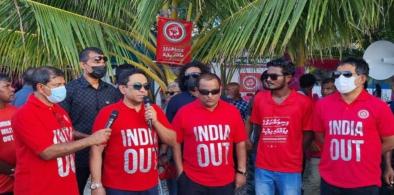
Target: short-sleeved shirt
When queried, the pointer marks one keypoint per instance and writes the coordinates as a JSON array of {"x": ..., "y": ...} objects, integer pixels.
[
  {"x": 38, "y": 126},
  {"x": 177, "y": 102},
  {"x": 130, "y": 160},
  {"x": 352, "y": 146},
  {"x": 282, "y": 125},
  {"x": 83, "y": 102},
  {"x": 7, "y": 146},
  {"x": 208, "y": 138},
  {"x": 242, "y": 106}
]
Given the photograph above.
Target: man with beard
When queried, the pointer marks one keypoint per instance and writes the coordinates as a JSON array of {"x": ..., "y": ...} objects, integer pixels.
[
  {"x": 85, "y": 97},
  {"x": 283, "y": 115}
]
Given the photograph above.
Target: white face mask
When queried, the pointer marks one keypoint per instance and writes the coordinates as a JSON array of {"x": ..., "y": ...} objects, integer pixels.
[
  {"x": 58, "y": 94},
  {"x": 345, "y": 85}
]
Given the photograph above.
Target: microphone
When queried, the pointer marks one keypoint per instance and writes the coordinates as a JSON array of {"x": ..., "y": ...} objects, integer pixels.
[
  {"x": 147, "y": 104},
  {"x": 111, "y": 119}
]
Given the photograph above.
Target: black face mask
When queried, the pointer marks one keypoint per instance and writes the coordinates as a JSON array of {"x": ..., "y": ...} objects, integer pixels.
[
  {"x": 98, "y": 72},
  {"x": 191, "y": 84}
]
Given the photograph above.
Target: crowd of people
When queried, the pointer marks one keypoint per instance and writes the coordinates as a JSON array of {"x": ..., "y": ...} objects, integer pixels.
[{"x": 60, "y": 138}]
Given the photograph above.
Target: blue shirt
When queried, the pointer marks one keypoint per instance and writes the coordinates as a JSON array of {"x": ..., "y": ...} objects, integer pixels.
[
  {"x": 22, "y": 95},
  {"x": 177, "y": 102}
]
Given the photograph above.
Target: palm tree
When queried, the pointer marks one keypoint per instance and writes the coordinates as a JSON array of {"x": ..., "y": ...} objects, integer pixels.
[{"x": 41, "y": 32}]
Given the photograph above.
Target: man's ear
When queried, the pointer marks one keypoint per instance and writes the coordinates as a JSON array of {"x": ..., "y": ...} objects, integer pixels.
[{"x": 122, "y": 89}]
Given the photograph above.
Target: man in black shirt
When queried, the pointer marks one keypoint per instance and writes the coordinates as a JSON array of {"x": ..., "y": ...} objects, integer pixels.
[{"x": 85, "y": 97}]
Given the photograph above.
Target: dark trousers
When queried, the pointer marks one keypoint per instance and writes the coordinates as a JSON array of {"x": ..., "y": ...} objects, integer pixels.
[
  {"x": 152, "y": 191},
  {"x": 82, "y": 177},
  {"x": 187, "y": 187},
  {"x": 327, "y": 189}
]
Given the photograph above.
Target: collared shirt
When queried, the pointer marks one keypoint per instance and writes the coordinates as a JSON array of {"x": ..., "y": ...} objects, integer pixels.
[
  {"x": 242, "y": 106},
  {"x": 22, "y": 95},
  {"x": 37, "y": 127},
  {"x": 352, "y": 139},
  {"x": 83, "y": 102},
  {"x": 177, "y": 102}
]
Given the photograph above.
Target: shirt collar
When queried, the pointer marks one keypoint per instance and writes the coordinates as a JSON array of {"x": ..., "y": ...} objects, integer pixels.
[
  {"x": 36, "y": 102},
  {"x": 85, "y": 83},
  {"x": 123, "y": 106},
  {"x": 364, "y": 95}
]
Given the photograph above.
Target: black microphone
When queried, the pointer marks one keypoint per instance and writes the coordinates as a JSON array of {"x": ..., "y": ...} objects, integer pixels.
[
  {"x": 111, "y": 119},
  {"x": 147, "y": 104}
]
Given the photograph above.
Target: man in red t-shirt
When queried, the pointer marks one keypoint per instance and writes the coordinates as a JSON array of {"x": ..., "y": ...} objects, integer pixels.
[
  {"x": 44, "y": 139},
  {"x": 355, "y": 128},
  {"x": 283, "y": 115},
  {"x": 129, "y": 165},
  {"x": 7, "y": 146},
  {"x": 208, "y": 128}
]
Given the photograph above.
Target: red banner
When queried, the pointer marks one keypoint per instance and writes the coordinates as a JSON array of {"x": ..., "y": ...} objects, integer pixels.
[
  {"x": 250, "y": 82},
  {"x": 173, "y": 41}
]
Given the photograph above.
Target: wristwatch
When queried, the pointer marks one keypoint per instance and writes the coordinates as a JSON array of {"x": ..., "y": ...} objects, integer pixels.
[
  {"x": 95, "y": 185},
  {"x": 244, "y": 173}
]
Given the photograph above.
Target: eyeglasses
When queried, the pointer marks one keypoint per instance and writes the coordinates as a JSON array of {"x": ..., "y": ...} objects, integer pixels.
[
  {"x": 98, "y": 59},
  {"x": 138, "y": 86},
  {"x": 193, "y": 74},
  {"x": 273, "y": 77},
  {"x": 337, "y": 74},
  {"x": 171, "y": 93},
  {"x": 207, "y": 92}
]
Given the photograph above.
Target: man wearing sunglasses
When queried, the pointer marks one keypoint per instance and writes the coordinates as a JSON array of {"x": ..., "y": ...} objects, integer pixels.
[
  {"x": 129, "y": 165},
  {"x": 209, "y": 128},
  {"x": 85, "y": 97},
  {"x": 44, "y": 139},
  {"x": 282, "y": 115},
  {"x": 355, "y": 128}
]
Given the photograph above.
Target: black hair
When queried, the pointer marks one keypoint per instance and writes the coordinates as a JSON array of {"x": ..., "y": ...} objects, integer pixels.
[
  {"x": 361, "y": 65},
  {"x": 208, "y": 77},
  {"x": 181, "y": 77},
  {"x": 327, "y": 80},
  {"x": 27, "y": 76},
  {"x": 287, "y": 66},
  {"x": 84, "y": 54},
  {"x": 125, "y": 75},
  {"x": 44, "y": 75},
  {"x": 4, "y": 77},
  {"x": 307, "y": 81},
  {"x": 121, "y": 68}
]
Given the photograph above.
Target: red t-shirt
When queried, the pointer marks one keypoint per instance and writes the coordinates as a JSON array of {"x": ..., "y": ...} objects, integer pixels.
[
  {"x": 7, "y": 146},
  {"x": 130, "y": 158},
  {"x": 37, "y": 127},
  {"x": 280, "y": 143},
  {"x": 352, "y": 149},
  {"x": 208, "y": 138}
]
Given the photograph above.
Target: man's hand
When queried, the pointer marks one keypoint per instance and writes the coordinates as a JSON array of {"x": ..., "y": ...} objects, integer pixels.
[
  {"x": 388, "y": 175},
  {"x": 150, "y": 114},
  {"x": 100, "y": 137},
  {"x": 99, "y": 191},
  {"x": 240, "y": 180}
]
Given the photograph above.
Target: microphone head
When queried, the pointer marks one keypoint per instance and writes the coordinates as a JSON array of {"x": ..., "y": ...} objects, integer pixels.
[
  {"x": 114, "y": 114},
  {"x": 146, "y": 100}
]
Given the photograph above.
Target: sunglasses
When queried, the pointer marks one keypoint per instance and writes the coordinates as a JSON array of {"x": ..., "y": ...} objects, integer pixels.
[
  {"x": 193, "y": 74},
  {"x": 171, "y": 92},
  {"x": 98, "y": 59},
  {"x": 138, "y": 86},
  {"x": 207, "y": 92},
  {"x": 273, "y": 77},
  {"x": 337, "y": 74}
]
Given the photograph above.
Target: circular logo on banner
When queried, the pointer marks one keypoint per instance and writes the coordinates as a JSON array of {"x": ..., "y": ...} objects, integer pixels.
[
  {"x": 249, "y": 82},
  {"x": 174, "y": 31},
  {"x": 363, "y": 114}
]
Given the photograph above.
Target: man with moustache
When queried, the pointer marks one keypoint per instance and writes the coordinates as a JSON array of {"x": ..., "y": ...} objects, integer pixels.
[
  {"x": 85, "y": 97},
  {"x": 7, "y": 144},
  {"x": 44, "y": 139},
  {"x": 355, "y": 128},
  {"x": 282, "y": 115},
  {"x": 205, "y": 165},
  {"x": 127, "y": 164}
]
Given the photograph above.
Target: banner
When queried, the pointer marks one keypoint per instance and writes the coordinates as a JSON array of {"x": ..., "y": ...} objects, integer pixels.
[{"x": 173, "y": 41}]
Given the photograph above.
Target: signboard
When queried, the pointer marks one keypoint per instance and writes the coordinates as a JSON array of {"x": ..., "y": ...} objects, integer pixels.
[{"x": 173, "y": 41}]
